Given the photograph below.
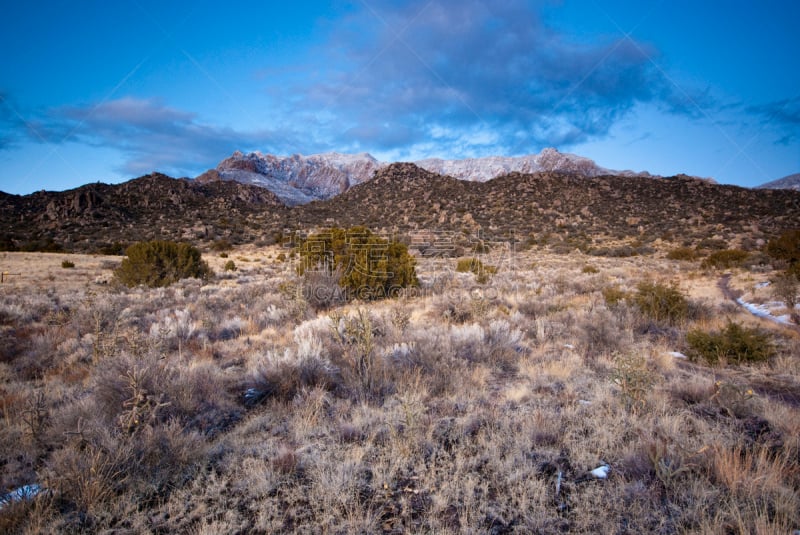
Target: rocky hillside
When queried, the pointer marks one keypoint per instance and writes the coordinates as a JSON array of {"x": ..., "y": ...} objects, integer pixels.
[
  {"x": 96, "y": 216},
  {"x": 587, "y": 212},
  {"x": 605, "y": 214},
  {"x": 301, "y": 179}
]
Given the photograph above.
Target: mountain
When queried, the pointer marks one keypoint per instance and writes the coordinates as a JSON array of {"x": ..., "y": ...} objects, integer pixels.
[
  {"x": 787, "y": 182},
  {"x": 301, "y": 179},
  {"x": 95, "y": 216},
  {"x": 603, "y": 214},
  {"x": 560, "y": 208},
  {"x": 296, "y": 179}
]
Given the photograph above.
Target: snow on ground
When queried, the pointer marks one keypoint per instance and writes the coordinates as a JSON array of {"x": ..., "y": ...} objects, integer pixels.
[
  {"x": 601, "y": 472},
  {"x": 762, "y": 311},
  {"x": 25, "y": 492}
]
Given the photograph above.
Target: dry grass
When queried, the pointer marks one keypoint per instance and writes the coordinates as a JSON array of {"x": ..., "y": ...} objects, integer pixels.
[{"x": 236, "y": 406}]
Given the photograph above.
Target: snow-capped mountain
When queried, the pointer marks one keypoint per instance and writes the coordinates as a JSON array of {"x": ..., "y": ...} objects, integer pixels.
[
  {"x": 301, "y": 179},
  {"x": 787, "y": 182}
]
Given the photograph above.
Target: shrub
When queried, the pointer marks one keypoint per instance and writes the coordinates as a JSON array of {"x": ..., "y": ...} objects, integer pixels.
[
  {"x": 112, "y": 249},
  {"x": 734, "y": 342},
  {"x": 613, "y": 295},
  {"x": 223, "y": 255},
  {"x": 785, "y": 288},
  {"x": 482, "y": 271},
  {"x": 589, "y": 269},
  {"x": 725, "y": 259},
  {"x": 160, "y": 263},
  {"x": 355, "y": 335},
  {"x": 682, "y": 253},
  {"x": 221, "y": 245},
  {"x": 370, "y": 267},
  {"x": 283, "y": 378},
  {"x": 230, "y": 265},
  {"x": 66, "y": 264},
  {"x": 661, "y": 303},
  {"x": 634, "y": 379},
  {"x": 786, "y": 247}
]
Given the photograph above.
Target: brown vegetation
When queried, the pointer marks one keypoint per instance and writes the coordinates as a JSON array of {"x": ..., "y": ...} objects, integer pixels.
[{"x": 236, "y": 405}]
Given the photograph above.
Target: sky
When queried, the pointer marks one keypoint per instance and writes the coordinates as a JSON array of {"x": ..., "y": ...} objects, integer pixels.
[{"x": 107, "y": 91}]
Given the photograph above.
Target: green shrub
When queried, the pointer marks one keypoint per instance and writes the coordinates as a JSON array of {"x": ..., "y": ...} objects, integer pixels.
[
  {"x": 634, "y": 378},
  {"x": 112, "y": 249},
  {"x": 786, "y": 248},
  {"x": 160, "y": 263},
  {"x": 464, "y": 265},
  {"x": 230, "y": 265},
  {"x": 661, "y": 303},
  {"x": 281, "y": 257},
  {"x": 223, "y": 255},
  {"x": 786, "y": 288},
  {"x": 66, "y": 264},
  {"x": 682, "y": 253},
  {"x": 482, "y": 271},
  {"x": 367, "y": 266},
  {"x": 734, "y": 343},
  {"x": 725, "y": 259},
  {"x": 613, "y": 295},
  {"x": 589, "y": 269}
]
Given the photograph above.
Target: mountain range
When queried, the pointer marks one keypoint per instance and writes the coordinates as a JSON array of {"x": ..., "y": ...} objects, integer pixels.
[
  {"x": 301, "y": 179},
  {"x": 603, "y": 214}
]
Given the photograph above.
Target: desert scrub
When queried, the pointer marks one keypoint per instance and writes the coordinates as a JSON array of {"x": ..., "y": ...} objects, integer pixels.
[
  {"x": 614, "y": 295},
  {"x": 482, "y": 271},
  {"x": 725, "y": 259},
  {"x": 733, "y": 343},
  {"x": 786, "y": 248},
  {"x": 161, "y": 263},
  {"x": 230, "y": 265},
  {"x": 66, "y": 264},
  {"x": 368, "y": 266},
  {"x": 661, "y": 303},
  {"x": 355, "y": 336},
  {"x": 634, "y": 378},
  {"x": 682, "y": 253},
  {"x": 786, "y": 288}
]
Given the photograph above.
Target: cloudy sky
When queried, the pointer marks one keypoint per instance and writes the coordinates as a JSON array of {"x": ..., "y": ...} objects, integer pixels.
[{"x": 93, "y": 90}]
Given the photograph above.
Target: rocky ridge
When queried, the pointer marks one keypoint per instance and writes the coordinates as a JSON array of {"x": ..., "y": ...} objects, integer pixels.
[{"x": 301, "y": 179}]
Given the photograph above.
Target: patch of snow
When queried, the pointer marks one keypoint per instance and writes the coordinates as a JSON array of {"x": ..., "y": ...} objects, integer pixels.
[
  {"x": 601, "y": 472},
  {"x": 25, "y": 492},
  {"x": 569, "y": 346},
  {"x": 251, "y": 393},
  {"x": 762, "y": 284},
  {"x": 584, "y": 402},
  {"x": 677, "y": 354},
  {"x": 763, "y": 312}
]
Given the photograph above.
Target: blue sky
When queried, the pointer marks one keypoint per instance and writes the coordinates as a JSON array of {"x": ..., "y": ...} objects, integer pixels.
[{"x": 107, "y": 91}]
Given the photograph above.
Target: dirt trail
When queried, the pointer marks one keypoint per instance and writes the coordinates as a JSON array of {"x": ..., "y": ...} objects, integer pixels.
[{"x": 724, "y": 284}]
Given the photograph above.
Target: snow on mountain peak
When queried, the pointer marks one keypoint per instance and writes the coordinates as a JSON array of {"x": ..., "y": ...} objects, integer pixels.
[{"x": 299, "y": 179}]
